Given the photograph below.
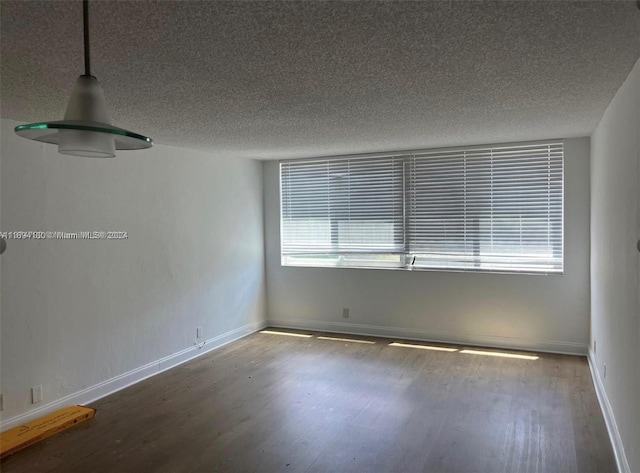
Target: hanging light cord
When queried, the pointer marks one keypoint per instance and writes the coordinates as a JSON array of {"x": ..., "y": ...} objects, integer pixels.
[{"x": 87, "y": 52}]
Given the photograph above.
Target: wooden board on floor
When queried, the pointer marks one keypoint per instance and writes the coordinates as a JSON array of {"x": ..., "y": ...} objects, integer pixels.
[{"x": 22, "y": 436}]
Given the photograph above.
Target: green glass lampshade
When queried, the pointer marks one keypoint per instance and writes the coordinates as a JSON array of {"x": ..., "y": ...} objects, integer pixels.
[{"x": 50, "y": 132}]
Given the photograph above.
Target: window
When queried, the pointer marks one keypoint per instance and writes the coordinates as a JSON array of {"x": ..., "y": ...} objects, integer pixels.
[
  {"x": 343, "y": 212},
  {"x": 472, "y": 209}
]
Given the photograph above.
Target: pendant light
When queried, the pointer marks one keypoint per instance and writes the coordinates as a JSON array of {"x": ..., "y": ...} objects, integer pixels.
[{"x": 86, "y": 129}]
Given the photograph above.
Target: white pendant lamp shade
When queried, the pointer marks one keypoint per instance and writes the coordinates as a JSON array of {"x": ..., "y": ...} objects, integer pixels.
[{"x": 86, "y": 129}]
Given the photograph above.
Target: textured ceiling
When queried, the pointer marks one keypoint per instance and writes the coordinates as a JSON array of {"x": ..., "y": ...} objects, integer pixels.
[{"x": 292, "y": 79}]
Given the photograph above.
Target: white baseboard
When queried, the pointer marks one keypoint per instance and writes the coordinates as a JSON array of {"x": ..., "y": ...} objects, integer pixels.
[
  {"x": 568, "y": 348},
  {"x": 609, "y": 418},
  {"x": 110, "y": 386}
]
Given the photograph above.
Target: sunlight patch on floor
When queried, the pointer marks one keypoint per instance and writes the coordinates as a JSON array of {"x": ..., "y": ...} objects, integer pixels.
[
  {"x": 351, "y": 340},
  {"x": 288, "y": 334},
  {"x": 495, "y": 353},
  {"x": 422, "y": 347}
]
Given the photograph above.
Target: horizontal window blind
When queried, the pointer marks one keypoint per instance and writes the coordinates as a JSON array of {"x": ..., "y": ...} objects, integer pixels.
[
  {"x": 487, "y": 208},
  {"x": 340, "y": 207},
  {"x": 473, "y": 209}
]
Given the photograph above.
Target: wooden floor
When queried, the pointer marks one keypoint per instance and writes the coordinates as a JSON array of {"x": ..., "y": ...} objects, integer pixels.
[{"x": 272, "y": 403}]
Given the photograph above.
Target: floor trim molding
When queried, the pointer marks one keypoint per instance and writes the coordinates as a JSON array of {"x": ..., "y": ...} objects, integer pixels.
[
  {"x": 110, "y": 386},
  {"x": 566, "y": 348},
  {"x": 609, "y": 418}
]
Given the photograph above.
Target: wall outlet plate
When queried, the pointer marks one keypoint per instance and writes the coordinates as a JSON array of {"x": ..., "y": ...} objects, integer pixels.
[
  {"x": 1, "y": 402},
  {"x": 199, "y": 332},
  {"x": 345, "y": 312},
  {"x": 36, "y": 394}
]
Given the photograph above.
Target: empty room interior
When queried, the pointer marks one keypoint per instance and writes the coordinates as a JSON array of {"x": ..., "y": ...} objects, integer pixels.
[{"x": 320, "y": 236}]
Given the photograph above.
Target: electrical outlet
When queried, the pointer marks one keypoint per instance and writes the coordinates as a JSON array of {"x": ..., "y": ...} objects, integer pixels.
[
  {"x": 1, "y": 402},
  {"x": 36, "y": 394},
  {"x": 199, "y": 332},
  {"x": 345, "y": 313},
  {"x": 594, "y": 346},
  {"x": 604, "y": 371}
]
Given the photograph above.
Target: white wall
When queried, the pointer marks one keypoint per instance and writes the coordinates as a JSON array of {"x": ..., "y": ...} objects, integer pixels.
[
  {"x": 525, "y": 311},
  {"x": 79, "y": 313},
  {"x": 615, "y": 261}
]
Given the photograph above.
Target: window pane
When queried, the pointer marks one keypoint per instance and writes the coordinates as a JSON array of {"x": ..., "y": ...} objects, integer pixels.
[
  {"x": 488, "y": 209},
  {"x": 342, "y": 207}
]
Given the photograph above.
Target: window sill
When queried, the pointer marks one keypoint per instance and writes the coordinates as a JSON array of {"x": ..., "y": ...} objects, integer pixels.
[{"x": 432, "y": 270}]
